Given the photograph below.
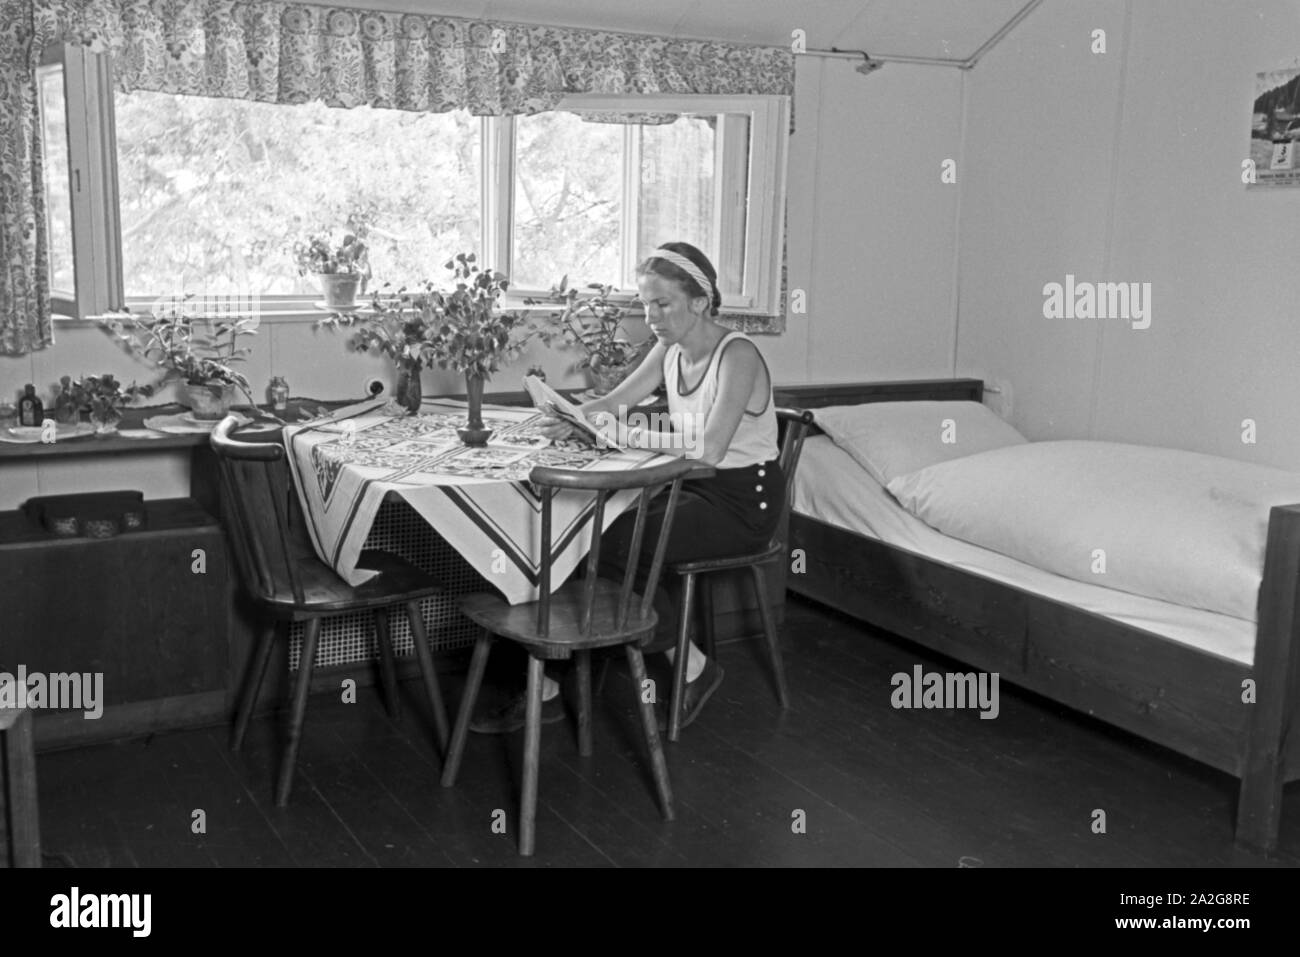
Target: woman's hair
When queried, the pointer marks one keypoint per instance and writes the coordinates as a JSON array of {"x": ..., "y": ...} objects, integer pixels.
[{"x": 670, "y": 270}]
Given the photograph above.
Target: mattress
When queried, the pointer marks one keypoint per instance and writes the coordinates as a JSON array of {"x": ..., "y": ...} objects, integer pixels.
[{"x": 832, "y": 488}]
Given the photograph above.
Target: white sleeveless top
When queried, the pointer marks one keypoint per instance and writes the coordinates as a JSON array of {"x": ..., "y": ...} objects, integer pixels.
[{"x": 755, "y": 440}]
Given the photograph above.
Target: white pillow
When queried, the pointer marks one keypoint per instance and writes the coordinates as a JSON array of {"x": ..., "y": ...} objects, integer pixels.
[
  {"x": 889, "y": 439},
  {"x": 1176, "y": 526}
]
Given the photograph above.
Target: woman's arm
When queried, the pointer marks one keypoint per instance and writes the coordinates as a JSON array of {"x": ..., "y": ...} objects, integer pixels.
[{"x": 739, "y": 368}]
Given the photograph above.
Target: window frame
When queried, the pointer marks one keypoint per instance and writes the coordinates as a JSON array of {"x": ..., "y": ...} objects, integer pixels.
[
  {"x": 92, "y": 180},
  {"x": 98, "y": 253}
]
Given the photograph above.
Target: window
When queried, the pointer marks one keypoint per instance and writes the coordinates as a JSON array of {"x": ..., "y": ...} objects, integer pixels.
[
  {"x": 591, "y": 199},
  {"x": 214, "y": 192},
  {"x": 80, "y": 201},
  {"x": 186, "y": 195}
]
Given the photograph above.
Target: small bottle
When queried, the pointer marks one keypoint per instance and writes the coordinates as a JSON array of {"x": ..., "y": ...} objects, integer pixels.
[
  {"x": 279, "y": 394},
  {"x": 31, "y": 411}
]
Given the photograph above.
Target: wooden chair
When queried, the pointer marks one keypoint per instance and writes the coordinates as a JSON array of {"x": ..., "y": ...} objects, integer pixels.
[
  {"x": 18, "y": 763},
  {"x": 590, "y": 613},
  {"x": 794, "y": 424},
  {"x": 289, "y": 583}
]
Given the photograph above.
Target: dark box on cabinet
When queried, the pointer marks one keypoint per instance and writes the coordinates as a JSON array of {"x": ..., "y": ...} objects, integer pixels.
[{"x": 93, "y": 514}]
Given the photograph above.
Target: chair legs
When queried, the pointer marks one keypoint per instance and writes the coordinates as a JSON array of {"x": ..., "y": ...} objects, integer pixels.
[
  {"x": 533, "y": 730},
  {"x": 20, "y": 792},
  {"x": 680, "y": 658},
  {"x": 710, "y": 646},
  {"x": 427, "y": 670},
  {"x": 532, "y": 756},
  {"x": 650, "y": 724},
  {"x": 583, "y": 665},
  {"x": 710, "y": 643},
  {"x": 258, "y": 667},
  {"x": 387, "y": 664},
  {"x": 769, "y": 633},
  {"x": 466, "y": 712},
  {"x": 253, "y": 682},
  {"x": 305, "y": 666}
]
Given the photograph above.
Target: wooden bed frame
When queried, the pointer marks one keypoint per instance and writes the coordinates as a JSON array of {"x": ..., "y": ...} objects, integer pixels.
[{"x": 1166, "y": 692}]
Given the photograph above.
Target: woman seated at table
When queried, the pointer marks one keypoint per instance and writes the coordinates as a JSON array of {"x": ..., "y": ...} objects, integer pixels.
[{"x": 720, "y": 404}]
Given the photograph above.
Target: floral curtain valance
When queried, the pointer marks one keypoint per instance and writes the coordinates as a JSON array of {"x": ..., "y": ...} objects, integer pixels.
[{"x": 293, "y": 52}]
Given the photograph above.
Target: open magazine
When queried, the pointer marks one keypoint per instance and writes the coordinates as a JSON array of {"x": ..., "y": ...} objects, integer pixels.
[{"x": 552, "y": 403}]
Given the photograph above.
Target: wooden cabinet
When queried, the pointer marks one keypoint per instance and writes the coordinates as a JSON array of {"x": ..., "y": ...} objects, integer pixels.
[{"x": 149, "y": 610}]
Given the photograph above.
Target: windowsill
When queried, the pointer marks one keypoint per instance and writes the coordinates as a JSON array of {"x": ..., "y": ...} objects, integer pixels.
[{"x": 294, "y": 313}]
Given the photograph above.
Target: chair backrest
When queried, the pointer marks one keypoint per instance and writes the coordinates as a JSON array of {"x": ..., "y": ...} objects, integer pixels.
[
  {"x": 793, "y": 425},
  {"x": 649, "y": 481},
  {"x": 256, "y": 494}
]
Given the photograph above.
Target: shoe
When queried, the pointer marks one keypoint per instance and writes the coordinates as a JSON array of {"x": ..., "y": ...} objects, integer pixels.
[
  {"x": 512, "y": 716},
  {"x": 698, "y": 692}
]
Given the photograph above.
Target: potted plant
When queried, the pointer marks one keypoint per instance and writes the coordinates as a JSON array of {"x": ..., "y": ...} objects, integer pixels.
[
  {"x": 103, "y": 396},
  {"x": 462, "y": 329},
  {"x": 594, "y": 323},
  {"x": 341, "y": 268},
  {"x": 199, "y": 350}
]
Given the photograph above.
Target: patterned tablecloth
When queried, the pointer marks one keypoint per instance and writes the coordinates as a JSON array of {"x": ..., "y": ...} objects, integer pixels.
[{"x": 479, "y": 500}]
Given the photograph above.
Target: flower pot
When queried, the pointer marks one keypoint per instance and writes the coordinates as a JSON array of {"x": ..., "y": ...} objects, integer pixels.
[
  {"x": 339, "y": 289},
  {"x": 604, "y": 379},
  {"x": 211, "y": 400},
  {"x": 473, "y": 432},
  {"x": 408, "y": 391}
]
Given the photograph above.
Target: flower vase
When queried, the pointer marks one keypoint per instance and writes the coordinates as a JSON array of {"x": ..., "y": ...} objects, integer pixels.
[
  {"x": 473, "y": 432},
  {"x": 106, "y": 427},
  {"x": 409, "y": 393}
]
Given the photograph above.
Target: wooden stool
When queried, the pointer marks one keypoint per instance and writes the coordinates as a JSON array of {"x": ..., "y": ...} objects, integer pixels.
[{"x": 19, "y": 760}]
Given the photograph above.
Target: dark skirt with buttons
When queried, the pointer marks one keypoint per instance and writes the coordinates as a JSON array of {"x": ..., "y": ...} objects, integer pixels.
[{"x": 733, "y": 512}]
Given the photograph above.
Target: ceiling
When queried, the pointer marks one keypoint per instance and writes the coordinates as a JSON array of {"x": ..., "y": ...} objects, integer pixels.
[{"x": 948, "y": 29}]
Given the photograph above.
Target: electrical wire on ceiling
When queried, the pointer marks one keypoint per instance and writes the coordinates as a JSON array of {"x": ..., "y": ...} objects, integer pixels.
[{"x": 873, "y": 62}]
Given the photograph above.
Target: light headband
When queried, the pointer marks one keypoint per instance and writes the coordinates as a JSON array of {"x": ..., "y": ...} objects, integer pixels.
[{"x": 688, "y": 267}]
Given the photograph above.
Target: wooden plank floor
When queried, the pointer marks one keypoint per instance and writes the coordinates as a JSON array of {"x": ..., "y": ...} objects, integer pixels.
[{"x": 876, "y": 786}]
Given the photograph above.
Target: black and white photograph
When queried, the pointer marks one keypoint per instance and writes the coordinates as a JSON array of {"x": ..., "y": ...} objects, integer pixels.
[{"x": 914, "y": 482}]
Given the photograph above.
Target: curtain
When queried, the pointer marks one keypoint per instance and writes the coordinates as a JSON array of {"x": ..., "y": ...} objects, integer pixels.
[
  {"x": 24, "y": 277},
  {"x": 292, "y": 53}
]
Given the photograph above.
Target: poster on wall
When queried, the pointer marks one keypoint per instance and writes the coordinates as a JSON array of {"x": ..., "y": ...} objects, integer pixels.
[{"x": 1275, "y": 128}]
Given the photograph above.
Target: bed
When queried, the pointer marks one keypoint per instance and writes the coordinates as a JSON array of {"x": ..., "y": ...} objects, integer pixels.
[{"x": 1175, "y": 676}]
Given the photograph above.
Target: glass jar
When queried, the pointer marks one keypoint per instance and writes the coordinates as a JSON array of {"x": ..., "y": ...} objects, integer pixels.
[
  {"x": 8, "y": 415},
  {"x": 279, "y": 394}
]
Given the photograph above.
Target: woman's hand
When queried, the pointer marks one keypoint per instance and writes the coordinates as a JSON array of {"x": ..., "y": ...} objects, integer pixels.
[{"x": 557, "y": 430}]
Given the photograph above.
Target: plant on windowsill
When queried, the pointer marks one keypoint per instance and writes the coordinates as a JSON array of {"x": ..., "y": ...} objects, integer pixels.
[
  {"x": 102, "y": 396},
  {"x": 201, "y": 351},
  {"x": 594, "y": 323},
  {"x": 462, "y": 329},
  {"x": 339, "y": 267}
]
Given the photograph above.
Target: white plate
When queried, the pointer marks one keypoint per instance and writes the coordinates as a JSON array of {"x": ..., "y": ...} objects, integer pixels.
[
  {"x": 63, "y": 431},
  {"x": 189, "y": 418}
]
